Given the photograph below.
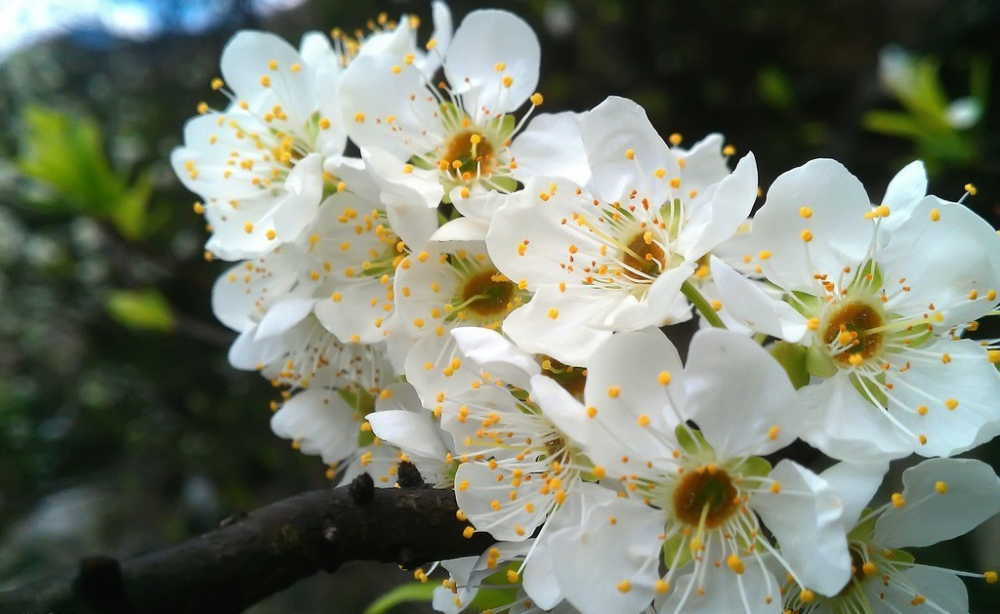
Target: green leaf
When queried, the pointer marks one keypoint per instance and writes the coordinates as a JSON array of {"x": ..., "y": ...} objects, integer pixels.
[
  {"x": 892, "y": 123},
  {"x": 792, "y": 357},
  {"x": 776, "y": 90},
  {"x": 404, "y": 593},
  {"x": 129, "y": 216},
  {"x": 141, "y": 310}
]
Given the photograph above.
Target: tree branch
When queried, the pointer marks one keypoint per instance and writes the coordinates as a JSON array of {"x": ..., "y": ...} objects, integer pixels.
[{"x": 268, "y": 550}]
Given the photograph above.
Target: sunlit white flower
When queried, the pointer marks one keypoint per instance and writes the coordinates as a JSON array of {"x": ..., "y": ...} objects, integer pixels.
[
  {"x": 697, "y": 497},
  {"x": 877, "y": 305},
  {"x": 258, "y": 165},
  {"x": 941, "y": 499},
  {"x": 614, "y": 254},
  {"x": 458, "y": 142}
]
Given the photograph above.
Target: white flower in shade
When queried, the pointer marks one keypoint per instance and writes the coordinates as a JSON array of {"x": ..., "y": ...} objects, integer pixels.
[
  {"x": 429, "y": 142},
  {"x": 332, "y": 423},
  {"x": 941, "y": 499},
  {"x": 258, "y": 165},
  {"x": 407, "y": 426},
  {"x": 291, "y": 347},
  {"x": 877, "y": 304},
  {"x": 398, "y": 40},
  {"x": 696, "y": 496},
  {"x": 612, "y": 255}
]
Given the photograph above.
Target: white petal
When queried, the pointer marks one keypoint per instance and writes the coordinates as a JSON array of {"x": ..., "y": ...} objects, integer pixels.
[
  {"x": 609, "y": 131},
  {"x": 497, "y": 355},
  {"x": 283, "y": 316},
  {"x": 304, "y": 187},
  {"x": 353, "y": 318},
  {"x": 840, "y": 232},
  {"x": 846, "y": 426},
  {"x": 247, "y": 58},
  {"x": 484, "y": 40},
  {"x": 722, "y": 213},
  {"x": 572, "y": 336},
  {"x": 320, "y": 421},
  {"x": 943, "y": 590},
  {"x": 749, "y": 305},
  {"x": 739, "y": 396},
  {"x": 460, "y": 231},
  {"x": 551, "y": 145},
  {"x": 720, "y": 591},
  {"x": 412, "y": 432},
  {"x": 596, "y": 556},
  {"x": 855, "y": 485},
  {"x": 905, "y": 190},
  {"x": 806, "y": 517},
  {"x": 972, "y": 495}
]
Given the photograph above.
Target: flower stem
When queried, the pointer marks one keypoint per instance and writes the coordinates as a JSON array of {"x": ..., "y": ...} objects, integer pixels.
[{"x": 701, "y": 304}]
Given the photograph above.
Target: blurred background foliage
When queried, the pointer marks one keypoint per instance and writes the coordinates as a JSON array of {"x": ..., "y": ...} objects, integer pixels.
[{"x": 122, "y": 427}]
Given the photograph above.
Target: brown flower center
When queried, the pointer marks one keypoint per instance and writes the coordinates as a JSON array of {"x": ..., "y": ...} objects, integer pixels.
[
  {"x": 470, "y": 154},
  {"x": 850, "y": 327},
  {"x": 643, "y": 259},
  {"x": 488, "y": 293},
  {"x": 709, "y": 491}
]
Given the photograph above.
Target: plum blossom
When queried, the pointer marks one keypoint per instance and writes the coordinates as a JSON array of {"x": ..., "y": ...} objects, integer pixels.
[
  {"x": 614, "y": 254},
  {"x": 878, "y": 306}
]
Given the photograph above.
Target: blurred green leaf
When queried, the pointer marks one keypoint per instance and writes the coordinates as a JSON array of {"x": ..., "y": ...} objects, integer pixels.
[
  {"x": 66, "y": 155},
  {"x": 892, "y": 123},
  {"x": 776, "y": 89},
  {"x": 404, "y": 593},
  {"x": 141, "y": 310}
]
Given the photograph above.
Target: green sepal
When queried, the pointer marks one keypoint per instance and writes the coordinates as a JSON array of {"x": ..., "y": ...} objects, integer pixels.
[
  {"x": 819, "y": 362},
  {"x": 793, "y": 358},
  {"x": 692, "y": 441},
  {"x": 676, "y": 547},
  {"x": 755, "y": 467}
]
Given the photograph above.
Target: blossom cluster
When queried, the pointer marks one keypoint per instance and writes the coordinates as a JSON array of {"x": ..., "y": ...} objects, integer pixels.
[{"x": 435, "y": 271}]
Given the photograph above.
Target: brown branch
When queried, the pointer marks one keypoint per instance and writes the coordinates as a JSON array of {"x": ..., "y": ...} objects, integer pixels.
[{"x": 268, "y": 550}]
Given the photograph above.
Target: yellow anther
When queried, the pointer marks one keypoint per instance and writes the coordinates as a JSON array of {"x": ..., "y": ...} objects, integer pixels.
[
  {"x": 870, "y": 568},
  {"x": 624, "y": 586},
  {"x": 468, "y": 532},
  {"x": 325, "y": 123},
  {"x": 537, "y": 99},
  {"x": 591, "y": 412},
  {"x": 643, "y": 420},
  {"x": 806, "y": 236},
  {"x": 941, "y": 487},
  {"x": 461, "y": 515},
  {"x": 359, "y": 117},
  {"x": 807, "y": 596},
  {"x": 500, "y": 67},
  {"x": 508, "y": 81},
  {"x": 630, "y": 154},
  {"x": 922, "y": 410},
  {"x": 991, "y": 577},
  {"x": 248, "y": 227},
  {"x": 923, "y": 439},
  {"x": 729, "y": 150},
  {"x": 806, "y": 212},
  {"x": 664, "y": 378},
  {"x": 202, "y": 108},
  {"x": 716, "y": 305},
  {"x": 993, "y": 356},
  {"x": 898, "y": 500},
  {"x": 512, "y": 576},
  {"x": 775, "y": 488},
  {"x": 614, "y": 391},
  {"x": 662, "y": 586},
  {"x": 675, "y": 183},
  {"x": 295, "y": 67},
  {"x": 553, "y": 313},
  {"x": 772, "y": 433},
  {"x": 217, "y": 84},
  {"x": 734, "y": 563},
  {"x": 265, "y": 81},
  {"x": 396, "y": 69},
  {"x": 675, "y": 139},
  {"x": 971, "y": 189},
  {"x": 465, "y": 193},
  {"x": 764, "y": 255},
  {"x": 812, "y": 324},
  {"x": 660, "y": 173},
  {"x": 935, "y": 215},
  {"x": 598, "y": 472},
  {"x": 951, "y": 404}
]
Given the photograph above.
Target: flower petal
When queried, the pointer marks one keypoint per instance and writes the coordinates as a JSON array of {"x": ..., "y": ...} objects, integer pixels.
[
  {"x": 945, "y": 498},
  {"x": 748, "y": 304}
]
